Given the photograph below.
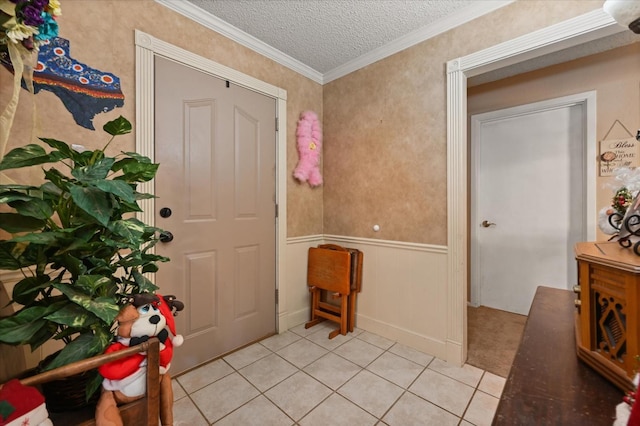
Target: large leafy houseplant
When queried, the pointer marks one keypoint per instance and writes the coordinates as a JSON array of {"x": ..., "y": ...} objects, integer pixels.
[{"x": 75, "y": 239}]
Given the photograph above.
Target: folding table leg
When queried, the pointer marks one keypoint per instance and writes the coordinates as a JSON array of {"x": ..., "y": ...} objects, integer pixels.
[
  {"x": 352, "y": 311},
  {"x": 315, "y": 301}
]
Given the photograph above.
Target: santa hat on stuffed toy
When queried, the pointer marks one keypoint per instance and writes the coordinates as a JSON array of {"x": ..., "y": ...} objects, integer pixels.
[
  {"x": 165, "y": 306},
  {"x": 22, "y": 405}
]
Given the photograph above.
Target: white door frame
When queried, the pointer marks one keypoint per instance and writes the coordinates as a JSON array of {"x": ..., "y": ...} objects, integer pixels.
[
  {"x": 147, "y": 47},
  {"x": 588, "y": 102},
  {"x": 584, "y": 28}
]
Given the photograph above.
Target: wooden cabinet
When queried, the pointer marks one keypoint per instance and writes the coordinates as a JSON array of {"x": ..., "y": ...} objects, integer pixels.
[
  {"x": 607, "y": 319},
  {"x": 547, "y": 383}
]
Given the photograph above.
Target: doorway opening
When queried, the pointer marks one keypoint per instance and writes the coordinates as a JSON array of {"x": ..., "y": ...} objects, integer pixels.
[{"x": 580, "y": 30}]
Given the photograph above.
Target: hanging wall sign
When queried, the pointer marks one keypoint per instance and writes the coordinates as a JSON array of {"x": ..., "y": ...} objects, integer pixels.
[{"x": 616, "y": 153}]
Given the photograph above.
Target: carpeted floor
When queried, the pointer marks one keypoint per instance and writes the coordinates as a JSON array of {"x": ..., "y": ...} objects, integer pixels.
[{"x": 493, "y": 338}]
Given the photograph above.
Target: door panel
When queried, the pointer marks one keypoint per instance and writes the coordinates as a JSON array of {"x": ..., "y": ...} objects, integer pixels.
[
  {"x": 216, "y": 149},
  {"x": 529, "y": 186}
]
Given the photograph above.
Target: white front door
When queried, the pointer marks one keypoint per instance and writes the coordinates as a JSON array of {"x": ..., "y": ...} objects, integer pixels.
[
  {"x": 528, "y": 201},
  {"x": 215, "y": 188}
]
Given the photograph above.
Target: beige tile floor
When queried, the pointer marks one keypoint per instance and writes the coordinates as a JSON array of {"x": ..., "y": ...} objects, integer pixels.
[{"x": 300, "y": 377}]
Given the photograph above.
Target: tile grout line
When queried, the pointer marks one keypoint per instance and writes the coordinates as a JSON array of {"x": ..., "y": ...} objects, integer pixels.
[{"x": 385, "y": 350}]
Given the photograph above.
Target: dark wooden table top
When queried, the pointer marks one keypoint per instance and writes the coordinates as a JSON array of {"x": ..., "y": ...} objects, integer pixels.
[{"x": 548, "y": 384}]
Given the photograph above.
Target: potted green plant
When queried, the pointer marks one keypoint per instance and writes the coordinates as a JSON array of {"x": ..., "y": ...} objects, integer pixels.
[{"x": 77, "y": 242}]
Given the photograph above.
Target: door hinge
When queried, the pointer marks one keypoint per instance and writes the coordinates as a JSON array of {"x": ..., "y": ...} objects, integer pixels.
[
  {"x": 277, "y": 296},
  {"x": 276, "y": 211},
  {"x": 277, "y": 124}
]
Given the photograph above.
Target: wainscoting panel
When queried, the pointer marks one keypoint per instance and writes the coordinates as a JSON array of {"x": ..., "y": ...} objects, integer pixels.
[
  {"x": 403, "y": 290},
  {"x": 293, "y": 308}
]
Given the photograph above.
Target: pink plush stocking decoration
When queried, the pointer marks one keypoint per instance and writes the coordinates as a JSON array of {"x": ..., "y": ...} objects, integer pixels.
[{"x": 309, "y": 138}]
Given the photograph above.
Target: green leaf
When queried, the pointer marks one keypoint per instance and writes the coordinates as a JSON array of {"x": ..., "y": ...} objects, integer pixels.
[
  {"x": 126, "y": 207},
  {"x": 56, "y": 179},
  {"x": 144, "y": 196},
  {"x": 18, "y": 328},
  {"x": 105, "y": 308},
  {"x": 119, "y": 165},
  {"x": 151, "y": 267},
  {"x": 27, "y": 289},
  {"x": 93, "y": 201},
  {"x": 93, "y": 384},
  {"x": 28, "y": 155},
  {"x": 118, "y": 188},
  {"x": 141, "y": 259},
  {"x": 99, "y": 170},
  {"x": 10, "y": 253},
  {"x": 43, "y": 335},
  {"x": 115, "y": 245},
  {"x": 71, "y": 263},
  {"x": 7, "y": 197},
  {"x": 119, "y": 126},
  {"x": 93, "y": 283},
  {"x": 73, "y": 316},
  {"x": 14, "y": 222},
  {"x": 138, "y": 157},
  {"x": 90, "y": 157},
  {"x": 65, "y": 150},
  {"x": 35, "y": 207},
  {"x": 138, "y": 172},
  {"x": 144, "y": 284},
  {"x": 50, "y": 238},
  {"x": 84, "y": 346},
  {"x": 67, "y": 333},
  {"x": 130, "y": 229}
]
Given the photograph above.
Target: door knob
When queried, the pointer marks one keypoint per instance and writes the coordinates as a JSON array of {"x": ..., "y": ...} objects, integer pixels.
[
  {"x": 486, "y": 224},
  {"x": 166, "y": 237}
]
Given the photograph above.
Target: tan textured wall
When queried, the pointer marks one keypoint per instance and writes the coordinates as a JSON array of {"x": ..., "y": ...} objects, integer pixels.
[
  {"x": 385, "y": 129},
  {"x": 615, "y": 77},
  {"x": 102, "y": 36},
  {"x": 385, "y": 126}
]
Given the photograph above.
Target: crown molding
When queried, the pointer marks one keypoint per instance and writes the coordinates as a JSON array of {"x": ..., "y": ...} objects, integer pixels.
[
  {"x": 572, "y": 32},
  {"x": 216, "y": 24},
  {"x": 418, "y": 36}
]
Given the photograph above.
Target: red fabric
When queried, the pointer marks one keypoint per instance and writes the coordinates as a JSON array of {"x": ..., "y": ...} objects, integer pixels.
[
  {"x": 166, "y": 354},
  {"x": 23, "y": 398},
  {"x": 165, "y": 310},
  {"x": 120, "y": 368},
  {"x": 634, "y": 417}
]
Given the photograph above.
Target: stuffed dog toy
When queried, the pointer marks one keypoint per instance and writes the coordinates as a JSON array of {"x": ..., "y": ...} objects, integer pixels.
[{"x": 145, "y": 316}]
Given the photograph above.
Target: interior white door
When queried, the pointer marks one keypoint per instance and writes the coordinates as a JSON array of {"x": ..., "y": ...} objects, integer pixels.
[
  {"x": 528, "y": 203},
  {"x": 216, "y": 146}
]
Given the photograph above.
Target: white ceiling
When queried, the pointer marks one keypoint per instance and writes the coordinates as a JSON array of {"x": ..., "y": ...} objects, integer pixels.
[{"x": 326, "y": 39}]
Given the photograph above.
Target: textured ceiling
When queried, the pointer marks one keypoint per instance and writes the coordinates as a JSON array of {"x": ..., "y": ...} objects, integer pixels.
[{"x": 326, "y": 34}]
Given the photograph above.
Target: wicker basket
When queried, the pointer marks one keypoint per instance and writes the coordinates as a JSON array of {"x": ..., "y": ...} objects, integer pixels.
[{"x": 68, "y": 394}]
